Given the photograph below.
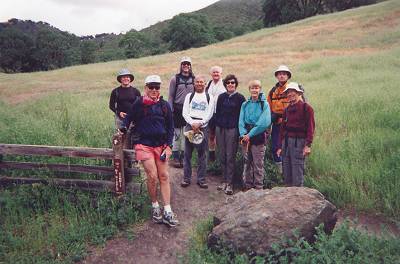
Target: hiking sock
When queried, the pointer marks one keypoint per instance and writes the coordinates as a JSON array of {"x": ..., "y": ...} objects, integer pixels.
[
  {"x": 155, "y": 204},
  {"x": 167, "y": 208}
]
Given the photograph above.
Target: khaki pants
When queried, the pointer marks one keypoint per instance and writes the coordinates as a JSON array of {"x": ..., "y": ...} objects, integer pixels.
[{"x": 253, "y": 171}]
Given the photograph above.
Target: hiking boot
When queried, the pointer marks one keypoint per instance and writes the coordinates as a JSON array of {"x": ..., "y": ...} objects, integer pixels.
[
  {"x": 203, "y": 185},
  {"x": 170, "y": 219},
  {"x": 157, "y": 215},
  {"x": 229, "y": 189},
  {"x": 185, "y": 184},
  {"x": 222, "y": 187}
]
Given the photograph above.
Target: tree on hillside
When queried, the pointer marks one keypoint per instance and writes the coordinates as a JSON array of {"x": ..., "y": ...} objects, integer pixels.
[
  {"x": 88, "y": 49},
  {"x": 188, "y": 30},
  {"x": 334, "y": 5},
  {"x": 50, "y": 50},
  {"x": 278, "y": 12},
  {"x": 136, "y": 44},
  {"x": 281, "y": 12},
  {"x": 15, "y": 51}
]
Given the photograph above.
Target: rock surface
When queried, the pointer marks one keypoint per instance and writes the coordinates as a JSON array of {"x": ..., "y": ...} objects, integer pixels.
[{"x": 250, "y": 222}]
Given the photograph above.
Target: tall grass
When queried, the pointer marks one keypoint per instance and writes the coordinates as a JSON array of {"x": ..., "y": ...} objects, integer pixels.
[
  {"x": 356, "y": 153},
  {"x": 43, "y": 224},
  {"x": 345, "y": 245}
]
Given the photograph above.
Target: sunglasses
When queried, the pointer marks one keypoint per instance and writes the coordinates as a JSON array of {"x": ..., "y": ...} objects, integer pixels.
[
  {"x": 153, "y": 87},
  {"x": 230, "y": 82},
  {"x": 186, "y": 63}
]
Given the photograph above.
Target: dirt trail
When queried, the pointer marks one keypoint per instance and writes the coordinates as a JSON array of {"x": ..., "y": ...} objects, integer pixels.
[{"x": 156, "y": 243}]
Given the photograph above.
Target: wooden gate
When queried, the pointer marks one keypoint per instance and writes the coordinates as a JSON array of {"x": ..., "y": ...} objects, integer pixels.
[{"x": 120, "y": 173}]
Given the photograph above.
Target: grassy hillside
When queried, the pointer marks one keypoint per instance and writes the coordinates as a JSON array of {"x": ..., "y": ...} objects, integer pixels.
[{"x": 347, "y": 62}]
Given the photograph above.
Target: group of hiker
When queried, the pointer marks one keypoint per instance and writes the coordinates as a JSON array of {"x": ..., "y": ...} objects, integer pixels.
[{"x": 216, "y": 120}]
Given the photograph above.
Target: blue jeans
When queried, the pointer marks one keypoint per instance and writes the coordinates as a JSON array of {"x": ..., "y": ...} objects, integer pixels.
[{"x": 201, "y": 158}]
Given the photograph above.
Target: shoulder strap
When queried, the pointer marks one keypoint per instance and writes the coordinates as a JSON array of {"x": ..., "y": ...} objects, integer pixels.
[
  {"x": 192, "y": 95},
  {"x": 208, "y": 85},
  {"x": 116, "y": 98},
  {"x": 272, "y": 91}
]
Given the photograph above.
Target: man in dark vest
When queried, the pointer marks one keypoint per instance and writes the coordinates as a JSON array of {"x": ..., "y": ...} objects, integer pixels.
[{"x": 180, "y": 85}]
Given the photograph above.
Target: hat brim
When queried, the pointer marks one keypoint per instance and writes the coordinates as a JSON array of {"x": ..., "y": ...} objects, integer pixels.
[
  {"x": 288, "y": 73},
  {"x": 130, "y": 76}
]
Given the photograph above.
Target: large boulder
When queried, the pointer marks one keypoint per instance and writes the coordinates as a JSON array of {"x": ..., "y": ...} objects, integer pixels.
[{"x": 250, "y": 222}]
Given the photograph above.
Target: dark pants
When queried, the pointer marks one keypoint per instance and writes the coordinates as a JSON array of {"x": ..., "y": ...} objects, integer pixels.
[
  {"x": 227, "y": 142},
  {"x": 293, "y": 161},
  {"x": 201, "y": 158},
  {"x": 275, "y": 141}
]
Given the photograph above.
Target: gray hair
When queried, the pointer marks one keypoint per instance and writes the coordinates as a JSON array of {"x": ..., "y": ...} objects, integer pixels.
[
  {"x": 216, "y": 68},
  {"x": 200, "y": 76}
]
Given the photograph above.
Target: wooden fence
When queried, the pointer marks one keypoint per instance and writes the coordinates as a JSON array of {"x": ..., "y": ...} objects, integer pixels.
[{"x": 120, "y": 173}]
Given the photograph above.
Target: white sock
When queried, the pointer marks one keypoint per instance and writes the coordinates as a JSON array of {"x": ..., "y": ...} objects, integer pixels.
[
  {"x": 167, "y": 209},
  {"x": 155, "y": 204}
]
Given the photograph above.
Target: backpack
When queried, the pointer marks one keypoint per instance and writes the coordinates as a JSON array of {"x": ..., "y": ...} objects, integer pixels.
[
  {"x": 192, "y": 95},
  {"x": 276, "y": 87},
  {"x": 208, "y": 85},
  {"x": 261, "y": 102}
]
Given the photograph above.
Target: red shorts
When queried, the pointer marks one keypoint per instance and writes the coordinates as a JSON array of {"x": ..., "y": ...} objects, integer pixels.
[{"x": 145, "y": 152}]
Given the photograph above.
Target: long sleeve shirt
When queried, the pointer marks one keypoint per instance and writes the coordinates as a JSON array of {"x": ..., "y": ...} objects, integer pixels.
[
  {"x": 122, "y": 99},
  {"x": 298, "y": 122},
  {"x": 198, "y": 110},
  {"x": 254, "y": 114}
]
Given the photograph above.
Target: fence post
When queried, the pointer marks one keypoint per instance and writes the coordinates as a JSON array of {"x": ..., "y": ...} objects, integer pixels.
[{"x": 118, "y": 161}]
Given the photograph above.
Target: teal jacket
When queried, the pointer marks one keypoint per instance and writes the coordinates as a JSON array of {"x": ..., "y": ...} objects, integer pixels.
[{"x": 251, "y": 114}]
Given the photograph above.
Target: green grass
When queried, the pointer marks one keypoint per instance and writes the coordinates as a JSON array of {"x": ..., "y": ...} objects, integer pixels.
[
  {"x": 356, "y": 153},
  {"x": 40, "y": 224},
  {"x": 345, "y": 245},
  {"x": 47, "y": 225}
]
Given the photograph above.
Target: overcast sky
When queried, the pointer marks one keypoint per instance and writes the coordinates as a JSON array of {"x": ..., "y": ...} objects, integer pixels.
[{"x": 89, "y": 17}]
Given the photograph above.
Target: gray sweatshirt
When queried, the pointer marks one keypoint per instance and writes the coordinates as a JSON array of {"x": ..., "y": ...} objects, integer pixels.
[{"x": 177, "y": 93}]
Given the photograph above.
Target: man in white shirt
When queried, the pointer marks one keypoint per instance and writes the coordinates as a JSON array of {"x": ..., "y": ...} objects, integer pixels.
[
  {"x": 198, "y": 109},
  {"x": 215, "y": 87}
]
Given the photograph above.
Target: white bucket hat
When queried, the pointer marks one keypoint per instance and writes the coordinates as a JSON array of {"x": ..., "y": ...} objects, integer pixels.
[
  {"x": 186, "y": 59},
  {"x": 152, "y": 79},
  {"x": 195, "y": 138},
  {"x": 283, "y": 68},
  {"x": 293, "y": 86}
]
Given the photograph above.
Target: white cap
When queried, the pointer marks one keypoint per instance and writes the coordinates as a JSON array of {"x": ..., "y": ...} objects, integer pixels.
[
  {"x": 293, "y": 86},
  {"x": 283, "y": 68},
  {"x": 186, "y": 59},
  {"x": 152, "y": 79}
]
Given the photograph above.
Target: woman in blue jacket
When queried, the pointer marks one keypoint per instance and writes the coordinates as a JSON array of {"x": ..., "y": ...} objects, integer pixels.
[{"x": 254, "y": 119}]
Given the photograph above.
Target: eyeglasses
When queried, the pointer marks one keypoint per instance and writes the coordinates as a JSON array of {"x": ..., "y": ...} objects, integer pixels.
[
  {"x": 186, "y": 63},
  {"x": 230, "y": 82},
  {"x": 154, "y": 87}
]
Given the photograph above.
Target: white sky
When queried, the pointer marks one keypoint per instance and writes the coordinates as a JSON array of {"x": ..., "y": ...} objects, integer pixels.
[{"x": 89, "y": 17}]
